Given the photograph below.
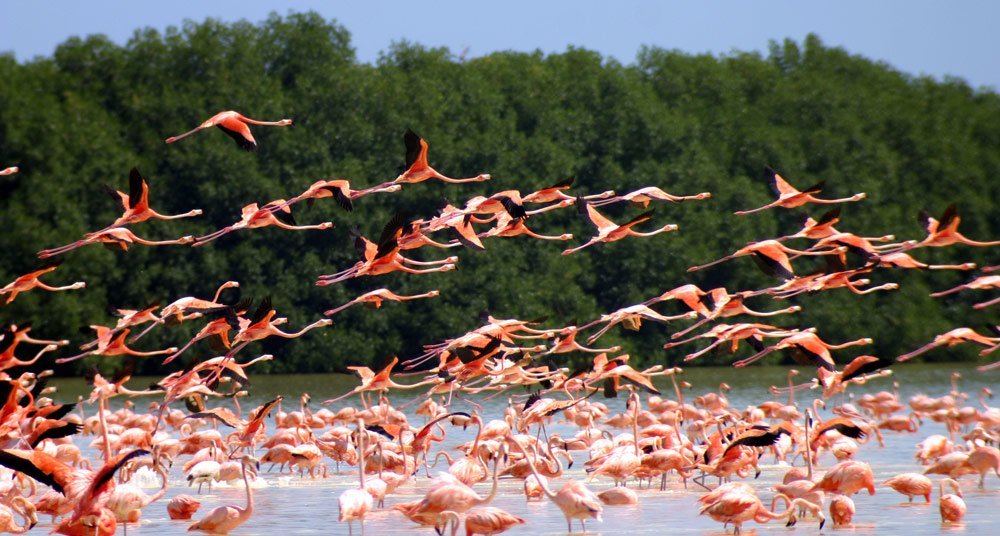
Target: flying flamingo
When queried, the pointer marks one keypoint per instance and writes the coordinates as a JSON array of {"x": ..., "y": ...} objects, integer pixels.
[
  {"x": 773, "y": 254},
  {"x": 110, "y": 343},
  {"x": 12, "y": 336},
  {"x": 951, "y": 506},
  {"x": 817, "y": 351},
  {"x": 114, "y": 238},
  {"x": 902, "y": 260},
  {"x": 9, "y": 171},
  {"x": 262, "y": 325},
  {"x": 384, "y": 257},
  {"x": 375, "y": 298},
  {"x": 225, "y": 318},
  {"x": 944, "y": 232},
  {"x": 554, "y": 193},
  {"x": 355, "y": 503},
  {"x": 417, "y": 168},
  {"x": 643, "y": 196},
  {"x": 135, "y": 204},
  {"x": 979, "y": 283},
  {"x": 236, "y": 126},
  {"x": 789, "y": 197},
  {"x": 507, "y": 227},
  {"x": 380, "y": 381},
  {"x": 176, "y": 311},
  {"x": 223, "y": 519},
  {"x": 574, "y": 499},
  {"x": 254, "y": 218},
  {"x": 608, "y": 231},
  {"x": 632, "y": 317},
  {"x": 30, "y": 280},
  {"x": 951, "y": 338},
  {"x": 340, "y": 190}
]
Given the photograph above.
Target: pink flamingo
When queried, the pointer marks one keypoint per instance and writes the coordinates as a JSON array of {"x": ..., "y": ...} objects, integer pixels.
[{"x": 236, "y": 126}]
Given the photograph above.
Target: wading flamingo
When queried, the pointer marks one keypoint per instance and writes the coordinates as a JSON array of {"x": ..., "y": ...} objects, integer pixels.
[{"x": 223, "y": 519}]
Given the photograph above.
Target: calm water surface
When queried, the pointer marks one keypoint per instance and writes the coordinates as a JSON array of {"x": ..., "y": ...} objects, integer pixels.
[{"x": 295, "y": 505}]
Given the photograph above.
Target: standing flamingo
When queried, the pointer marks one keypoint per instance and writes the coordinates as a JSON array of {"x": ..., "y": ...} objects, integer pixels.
[
  {"x": 355, "y": 503},
  {"x": 574, "y": 499},
  {"x": 236, "y": 126},
  {"x": 951, "y": 506},
  {"x": 789, "y": 197},
  {"x": 223, "y": 519}
]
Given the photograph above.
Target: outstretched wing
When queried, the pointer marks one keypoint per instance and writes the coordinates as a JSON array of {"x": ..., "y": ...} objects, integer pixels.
[
  {"x": 412, "y": 142},
  {"x": 135, "y": 182}
]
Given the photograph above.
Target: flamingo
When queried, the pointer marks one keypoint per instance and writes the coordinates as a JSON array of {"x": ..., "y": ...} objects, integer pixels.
[
  {"x": 979, "y": 283},
  {"x": 485, "y": 520},
  {"x": 951, "y": 506},
  {"x": 739, "y": 506},
  {"x": 632, "y": 317},
  {"x": 789, "y": 197},
  {"x": 375, "y": 298},
  {"x": 355, "y": 503},
  {"x": 371, "y": 381},
  {"x": 254, "y": 218},
  {"x": 643, "y": 196},
  {"x": 944, "y": 232},
  {"x": 223, "y": 519},
  {"x": 340, "y": 190},
  {"x": 951, "y": 338},
  {"x": 417, "y": 168},
  {"x": 262, "y": 325},
  {"x": 19, "y": 505},
  {"x": 772, "y": 255},
  {"x": 847, "y": 478},
  {"x": 554, "y": 193},
  {"x": 30, "y": 280},
  {"x": 236, "y": 126},
  {"x": 9, "y": 171},
  {"x": 841, "y": 510},
  {"x": 814, "y": 348},
  {"x": 110, "y": 344},
  {"x": 609, "y": 231},
  {"x": 911, "y": 484},
  {"x": 899, "y": 259},
  {"x": 114, "y": 238},
  {"x": 574, "y": 499},
  {"x": 135, "y": 204},
  {"x": 182, "y": 507},
  {"x": 128, "y": 500}
]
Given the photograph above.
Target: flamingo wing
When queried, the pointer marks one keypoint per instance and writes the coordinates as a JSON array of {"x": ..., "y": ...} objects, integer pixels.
[
  {"x": 136, "y": 186},
  {"x": 591, "y": 214},
  {"x": 863, "y": 365},
  {"x": 342, "y": 199},
  {"x": 240, "y": 133},
  {"x": 777, "y": 183},
  {"x": 413, "y": 147},
  {"x": 119, "y": 198},
  {"x": 44, "y": 468}
]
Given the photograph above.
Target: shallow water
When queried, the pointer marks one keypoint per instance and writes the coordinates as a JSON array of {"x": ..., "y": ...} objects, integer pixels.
[{"x": 296, "y": 505}]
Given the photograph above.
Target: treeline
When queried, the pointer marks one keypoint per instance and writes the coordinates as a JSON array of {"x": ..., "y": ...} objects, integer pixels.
[{"x": 687, "y": 123}]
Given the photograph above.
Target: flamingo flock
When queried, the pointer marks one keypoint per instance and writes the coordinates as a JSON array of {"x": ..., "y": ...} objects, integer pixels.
[{"x": 701, "y": 440}]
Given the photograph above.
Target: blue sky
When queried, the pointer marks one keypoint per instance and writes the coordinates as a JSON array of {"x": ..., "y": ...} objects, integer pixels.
[{"x": 919, "y": 37}]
